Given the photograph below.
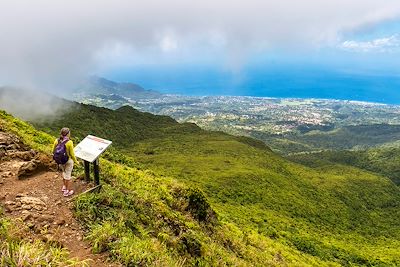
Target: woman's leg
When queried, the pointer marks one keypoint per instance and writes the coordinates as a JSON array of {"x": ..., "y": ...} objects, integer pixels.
[
  {"x": 68, "y": 184},
  {"x": 63, "y": 174},
  {"x": 68, "y": 175}
]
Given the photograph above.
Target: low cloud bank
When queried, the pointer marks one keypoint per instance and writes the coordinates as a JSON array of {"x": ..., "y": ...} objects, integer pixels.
[{"x": 52, "y": 44}]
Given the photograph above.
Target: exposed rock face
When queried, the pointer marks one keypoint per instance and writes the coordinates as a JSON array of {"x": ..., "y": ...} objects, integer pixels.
[
  {"x": 28, "y": 203},
  {"x": 35, "y": 165},
  {"x": 10, "y": 144},
  {"x": 25, "y": 203},
  {"x": 27, "y": 161}
]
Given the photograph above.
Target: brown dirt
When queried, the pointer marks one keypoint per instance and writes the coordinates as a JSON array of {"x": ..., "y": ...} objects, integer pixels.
[{"x": 37, "y": 203}]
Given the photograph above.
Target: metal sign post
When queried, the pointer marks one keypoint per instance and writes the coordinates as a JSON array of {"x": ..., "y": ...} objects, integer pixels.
[
  {"x": 96, "y": 172},
  {"x": 87, "y": 170},
  {"x": 90, "y": 150}
]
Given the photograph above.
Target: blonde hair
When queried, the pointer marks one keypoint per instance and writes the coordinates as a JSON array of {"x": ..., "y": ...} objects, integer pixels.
[{"x": 63, "y": 133}]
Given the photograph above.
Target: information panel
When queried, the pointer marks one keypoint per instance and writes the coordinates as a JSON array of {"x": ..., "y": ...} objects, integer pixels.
[{"x": 91, "y": 148}]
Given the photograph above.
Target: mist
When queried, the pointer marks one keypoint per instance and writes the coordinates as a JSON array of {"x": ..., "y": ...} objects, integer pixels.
[
  {"x": 31, "y": 105},
  {"x": 53, "y": 44}
]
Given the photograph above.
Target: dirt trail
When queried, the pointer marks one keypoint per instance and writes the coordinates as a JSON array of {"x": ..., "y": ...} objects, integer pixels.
[{"x": 30, "y": 189}]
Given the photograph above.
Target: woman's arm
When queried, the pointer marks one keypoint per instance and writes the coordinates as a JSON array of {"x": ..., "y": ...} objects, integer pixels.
[
  {"x": 55, "y": 145},
  {"x": 70, "y": 151}
]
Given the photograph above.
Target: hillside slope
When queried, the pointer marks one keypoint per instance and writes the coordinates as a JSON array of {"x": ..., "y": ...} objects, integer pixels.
[
  {"x": 383, "y": 160},
  {"x": 37, "y": 227},
  {"x": 337, "y": 214},
  {"x": 143, "y": 219}
]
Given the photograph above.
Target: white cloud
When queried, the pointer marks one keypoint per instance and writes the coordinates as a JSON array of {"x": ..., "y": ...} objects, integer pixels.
[
  {"x": 386, "y": 44},
  {"x": 51, "y": 42},
  {"x": 168, "y": 43}
]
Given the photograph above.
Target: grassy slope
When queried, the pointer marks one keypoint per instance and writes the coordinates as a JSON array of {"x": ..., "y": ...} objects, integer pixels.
[
  {"x": 382, "y": 160},
  {"x": 338, "y": 213},
  {"x": 346, "y": 137},
  {"x": 332, "y": 213},
  {"x": 146, "y": 219}
]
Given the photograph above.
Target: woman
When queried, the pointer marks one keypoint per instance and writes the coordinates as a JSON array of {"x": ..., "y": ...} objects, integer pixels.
[{"x": 66, "y": 168}]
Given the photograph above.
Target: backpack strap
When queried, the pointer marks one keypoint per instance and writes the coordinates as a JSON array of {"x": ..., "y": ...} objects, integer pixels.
[{"x": 64, "y": 141}]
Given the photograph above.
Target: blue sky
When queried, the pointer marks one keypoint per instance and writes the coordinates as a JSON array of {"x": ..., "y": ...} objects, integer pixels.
[{"x": 231, "y": 47}]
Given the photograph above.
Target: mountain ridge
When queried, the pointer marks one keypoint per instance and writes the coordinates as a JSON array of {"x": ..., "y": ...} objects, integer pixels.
[{"x": 96, "y": 85}]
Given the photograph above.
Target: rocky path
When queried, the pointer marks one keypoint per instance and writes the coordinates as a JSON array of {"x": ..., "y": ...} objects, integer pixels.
[{"x": 30, "y": 193}]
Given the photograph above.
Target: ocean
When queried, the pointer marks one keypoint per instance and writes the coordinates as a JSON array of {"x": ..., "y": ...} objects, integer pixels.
[{"x": 297, "y": 83}]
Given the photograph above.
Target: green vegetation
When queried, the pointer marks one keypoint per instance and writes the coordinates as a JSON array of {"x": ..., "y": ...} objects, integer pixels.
[
  {"x": 355, "y": 136},
  {"x": 125, "y": 125},
  {"x": 339, "y": 214},
  {"x": 383, "y": 160},
  {"x": 146, "y": 219},
  {"x": 215, "y": 199}
]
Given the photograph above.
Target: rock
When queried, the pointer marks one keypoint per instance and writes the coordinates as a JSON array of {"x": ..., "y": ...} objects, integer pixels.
[
  {"x": 12, "y": 147},
  {"x": 24, "y": 155},
  {"x": 8, "y": 209},
  {"x": 45, "y": 218},
  {"x": 26, "y": 207},
  {"x": 26, "y": 217},
  {"x": 21, "y": 195},
  {"x": 41, "y": 162},
  {"x": 27, "y": 169},
  {"x": 11, "y": 203},
  {"x": 34, "y": 201},
  {"x": 10, "y": 206},
  {"x": 59, "y": 222}
]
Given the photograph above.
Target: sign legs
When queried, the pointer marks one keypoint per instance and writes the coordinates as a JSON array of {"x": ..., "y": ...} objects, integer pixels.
[
  {"x": 96, "y": 172},
  {"x": 87, "y": 170}
]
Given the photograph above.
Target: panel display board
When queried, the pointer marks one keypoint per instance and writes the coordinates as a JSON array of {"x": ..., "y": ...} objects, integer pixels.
[{"x": 91, "y": 148}]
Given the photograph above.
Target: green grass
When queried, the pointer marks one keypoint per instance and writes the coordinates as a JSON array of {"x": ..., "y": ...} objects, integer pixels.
[
  {"x": 146, "y": 219},
  {"x": 382, "y": 160},
  {"x": 346, "y": 137},
  {"x": 260, "y": 207},
  {"x": 339, "y": 214}
]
